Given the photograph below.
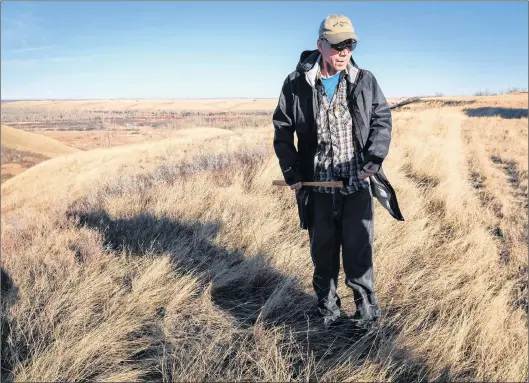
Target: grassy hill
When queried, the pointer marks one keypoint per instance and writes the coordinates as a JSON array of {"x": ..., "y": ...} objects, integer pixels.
[
  {"x": 22, "y": 150},
  {"x": 34, "y": 143},
  {"x": 177, "y": 260}
]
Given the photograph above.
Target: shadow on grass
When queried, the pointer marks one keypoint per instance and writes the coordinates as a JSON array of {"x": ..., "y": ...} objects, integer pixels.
[
  {"x": 9, "y": 298},
  {"x": 250, "y": 289},
  {"x": 507, "y": 113}
]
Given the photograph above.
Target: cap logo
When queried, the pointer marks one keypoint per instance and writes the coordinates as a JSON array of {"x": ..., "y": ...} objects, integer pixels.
[{"x": 340, "y": 23}]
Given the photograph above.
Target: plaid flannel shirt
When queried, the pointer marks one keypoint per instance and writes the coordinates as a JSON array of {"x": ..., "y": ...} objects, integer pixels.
[{"x": 336, "y": 157}]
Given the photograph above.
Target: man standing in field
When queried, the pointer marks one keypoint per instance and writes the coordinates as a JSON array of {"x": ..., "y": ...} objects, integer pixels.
[{"x": 343, "y": 125}]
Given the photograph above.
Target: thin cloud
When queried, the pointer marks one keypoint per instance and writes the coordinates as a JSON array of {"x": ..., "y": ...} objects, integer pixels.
[
  {"x": 32, "y": 49},
  {"x": 42, "y": 61}
]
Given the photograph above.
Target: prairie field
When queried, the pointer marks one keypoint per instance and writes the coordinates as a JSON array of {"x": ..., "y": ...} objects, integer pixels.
[{"x": 171, "y": 257}]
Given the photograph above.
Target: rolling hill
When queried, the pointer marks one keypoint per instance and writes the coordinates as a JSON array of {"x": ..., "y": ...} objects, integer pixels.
[
  {"x": 22, "y": 150},
  {"x": 34, "y": 143}
]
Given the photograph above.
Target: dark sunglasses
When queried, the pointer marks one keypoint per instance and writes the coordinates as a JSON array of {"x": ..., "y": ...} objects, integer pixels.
[{"x": 350, "y": 43}]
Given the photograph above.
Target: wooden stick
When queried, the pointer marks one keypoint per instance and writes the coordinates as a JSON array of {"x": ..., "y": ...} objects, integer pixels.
[{"x": 333, "y": 184}]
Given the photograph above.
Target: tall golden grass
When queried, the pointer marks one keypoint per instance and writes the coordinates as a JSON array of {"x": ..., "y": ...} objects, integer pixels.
[{"x": 178, "y": 261}]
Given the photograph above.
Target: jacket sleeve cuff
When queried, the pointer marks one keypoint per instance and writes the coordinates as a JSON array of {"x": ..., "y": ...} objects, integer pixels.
[
  {"x": 374, "y": 159},
  {"x": 291, "y": 176}
]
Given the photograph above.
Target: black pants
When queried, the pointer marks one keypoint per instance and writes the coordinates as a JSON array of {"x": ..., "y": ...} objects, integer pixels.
[{"x": 343, "y": 221}]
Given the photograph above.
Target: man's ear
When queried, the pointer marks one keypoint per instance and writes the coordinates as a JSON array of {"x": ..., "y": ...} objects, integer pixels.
[{"x": 318, "y": 44}]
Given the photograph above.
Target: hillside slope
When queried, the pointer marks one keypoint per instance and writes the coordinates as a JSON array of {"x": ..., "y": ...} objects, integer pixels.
[
  {"x": 32, "y": 142},
  {"x": 21, "y": 150}
]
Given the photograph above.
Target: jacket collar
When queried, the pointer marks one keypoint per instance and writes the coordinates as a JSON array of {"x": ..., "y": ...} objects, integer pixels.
[{"x": 309, "y": 64}]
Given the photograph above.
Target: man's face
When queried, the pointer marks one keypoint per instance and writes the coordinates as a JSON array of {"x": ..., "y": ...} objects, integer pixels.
[{"x": 336, "y": 59}]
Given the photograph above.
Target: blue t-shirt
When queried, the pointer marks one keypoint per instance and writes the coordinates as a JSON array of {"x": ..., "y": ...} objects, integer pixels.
[{"x": 330, "y": 84}]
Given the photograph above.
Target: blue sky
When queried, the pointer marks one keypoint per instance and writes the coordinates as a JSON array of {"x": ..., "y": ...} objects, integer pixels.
[{"x": 190, "y": 50}]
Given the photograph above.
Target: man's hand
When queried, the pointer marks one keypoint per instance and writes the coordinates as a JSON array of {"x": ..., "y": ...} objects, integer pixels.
[
  {"x": 369, "y": 169},
  {"x": 296, "y": 186}
]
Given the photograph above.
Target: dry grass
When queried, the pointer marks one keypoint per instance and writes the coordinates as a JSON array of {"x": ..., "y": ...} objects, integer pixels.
[
  {"x": 177, "y": 260},
  {"x": 119, "y": 135},
  {"x": 88, "y": 140},
  {"x": 16, "y": 161},
  {"x": 116, "y": 124},
  {"x": 30, "y": 142},
  {"x": 22, "y": 150}
]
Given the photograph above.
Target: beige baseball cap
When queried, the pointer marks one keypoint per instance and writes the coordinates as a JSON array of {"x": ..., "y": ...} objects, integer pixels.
[{"x": 336, "y": 28}]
